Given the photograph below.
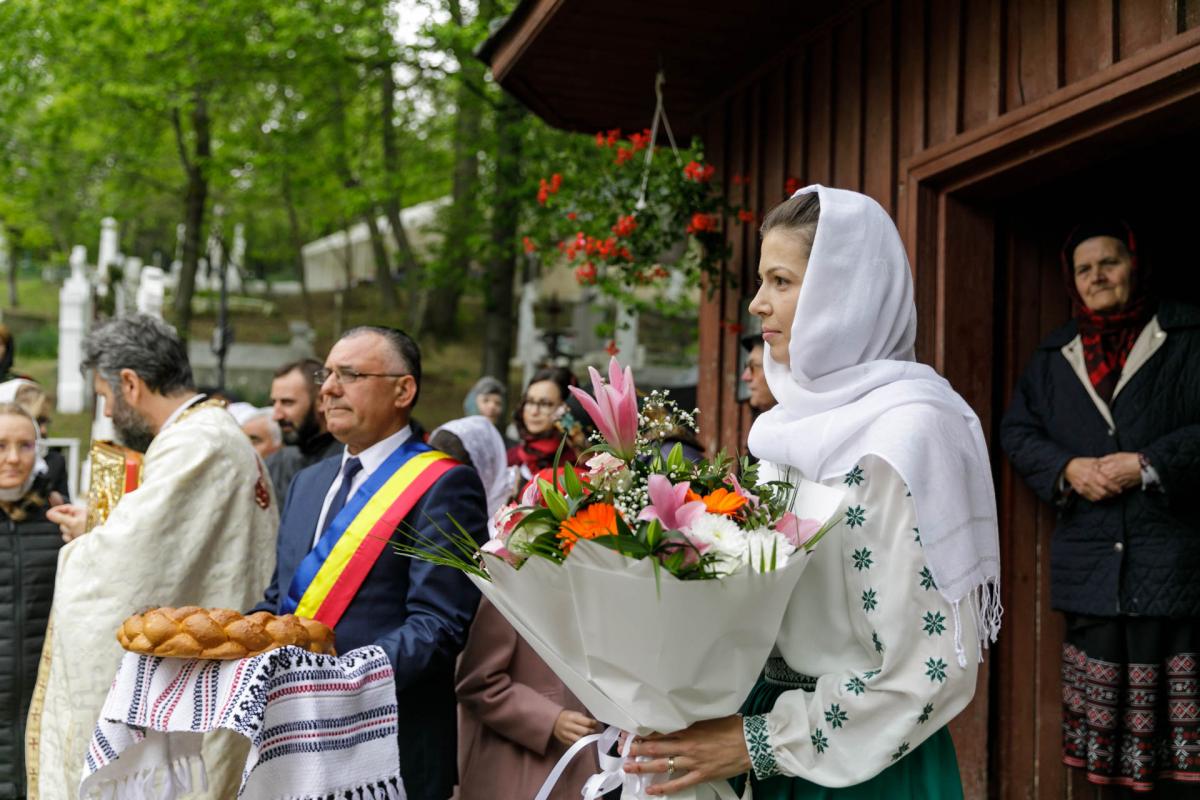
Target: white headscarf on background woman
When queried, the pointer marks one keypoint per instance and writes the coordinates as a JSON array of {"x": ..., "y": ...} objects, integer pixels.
[
  {"x": 488, "y": 455},
  {"x": 854, "y": 388},
  {"x": 8, "y": 394}
]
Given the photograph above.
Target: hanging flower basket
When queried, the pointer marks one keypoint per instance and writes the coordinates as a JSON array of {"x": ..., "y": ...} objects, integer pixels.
[{"x": 635, "y": 226}]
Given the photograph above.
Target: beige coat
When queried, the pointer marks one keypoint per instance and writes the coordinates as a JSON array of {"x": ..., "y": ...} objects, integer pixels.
[
  {"x": 509, "y": 700},
  {"x": 198, "y": 531}
]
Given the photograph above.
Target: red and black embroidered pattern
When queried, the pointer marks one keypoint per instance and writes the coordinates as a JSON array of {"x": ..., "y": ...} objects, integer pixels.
[{"x": 1131, "y": 724}]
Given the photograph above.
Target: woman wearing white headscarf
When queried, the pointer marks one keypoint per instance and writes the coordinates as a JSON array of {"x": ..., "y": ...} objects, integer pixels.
[
  {"x": 29, "y": 545},
  {"x": 516, "y": 718},
  {"x": 884, "y": 633}
]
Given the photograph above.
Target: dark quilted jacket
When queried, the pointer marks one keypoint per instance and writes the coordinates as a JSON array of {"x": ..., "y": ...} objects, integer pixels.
[
  {"x": 1138, "y": 553},
  {"x": 28, "y": 559}
]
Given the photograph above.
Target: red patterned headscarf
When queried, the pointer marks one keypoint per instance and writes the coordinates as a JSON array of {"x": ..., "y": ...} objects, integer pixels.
[{"x": 1108, "y": 337}]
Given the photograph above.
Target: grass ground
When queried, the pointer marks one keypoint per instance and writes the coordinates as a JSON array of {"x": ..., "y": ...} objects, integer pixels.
[{"x": 450, "y": 367}]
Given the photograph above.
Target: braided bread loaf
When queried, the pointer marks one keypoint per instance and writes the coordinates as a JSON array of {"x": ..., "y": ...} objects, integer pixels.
[{"x": 218, "y": 633}]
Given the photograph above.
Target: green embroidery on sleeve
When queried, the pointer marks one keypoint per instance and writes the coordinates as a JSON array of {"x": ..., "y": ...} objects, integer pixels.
[
  {"x": 935, "y": 670},
  {"x": 862, "y": 559},
  {"x": 927, "y": 582},
  {"x": 855, "y": 517},
  {"x": 854, "y": 477},
  {"x": 925, "y": 712},
  {"x": 758, "y": 742},
  {"x": 835, "y": 716},
  {"x": 856, "y": 686},
  {"x": 819, "y": 742},
  {"x": 900, "y": 751},
  {"x": 935, "y": 623},
  {"x": 869, "y": 600}
]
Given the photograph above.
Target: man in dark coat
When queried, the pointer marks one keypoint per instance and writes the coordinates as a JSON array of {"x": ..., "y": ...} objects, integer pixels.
[
  {"x": 296, "y": 407},
  {"x": 417, "y": 612}
]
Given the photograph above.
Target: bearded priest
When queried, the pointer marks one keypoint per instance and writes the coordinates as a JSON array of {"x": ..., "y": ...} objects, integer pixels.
[{"x": 199, "y": 530}]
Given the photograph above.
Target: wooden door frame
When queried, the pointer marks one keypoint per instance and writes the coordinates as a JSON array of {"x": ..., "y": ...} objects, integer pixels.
[{"x": 948, "y": 197}]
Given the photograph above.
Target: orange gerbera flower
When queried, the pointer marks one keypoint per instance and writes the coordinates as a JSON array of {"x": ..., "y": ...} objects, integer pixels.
[
  {"x": 598, "y": 519},
  {"x": 722, "y": 501}
]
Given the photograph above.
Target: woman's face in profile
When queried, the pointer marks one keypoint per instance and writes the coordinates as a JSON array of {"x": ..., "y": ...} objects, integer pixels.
[
  {"x": 18, "y": 450},
  {"x": 781, "y": 268}
]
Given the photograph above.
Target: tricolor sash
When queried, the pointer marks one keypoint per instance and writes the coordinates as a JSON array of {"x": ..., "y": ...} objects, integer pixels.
[{"x": 330, "y": 576}]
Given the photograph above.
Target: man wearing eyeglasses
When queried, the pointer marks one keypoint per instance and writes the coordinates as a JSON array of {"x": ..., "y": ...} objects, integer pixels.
[{"x": 385, "y": 483}]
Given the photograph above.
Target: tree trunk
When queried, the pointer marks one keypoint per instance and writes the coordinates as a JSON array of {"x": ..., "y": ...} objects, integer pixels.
[
  {"x": 383, "y": 265},
  {"x": 446, "y": 286},
  {"x": 391, "y": 169},
  {"x": 502, "y": 265},
  {"x": 297, "y": 238},
  {"x": 195, "y": 165}
]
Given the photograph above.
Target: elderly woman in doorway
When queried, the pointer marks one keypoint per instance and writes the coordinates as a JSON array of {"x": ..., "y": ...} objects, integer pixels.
[
  {"x": 882, "y": 639},
  {"x": 1105, "y": 426}
]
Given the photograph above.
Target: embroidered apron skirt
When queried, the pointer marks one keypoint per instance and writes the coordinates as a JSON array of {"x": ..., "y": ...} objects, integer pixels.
[
  {"x": 1131, "y": 707},
  {"x": 930, "y": 772}
]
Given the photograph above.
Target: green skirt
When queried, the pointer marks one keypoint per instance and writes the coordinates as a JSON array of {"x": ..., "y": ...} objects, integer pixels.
[{"x": 928, "y": 773}]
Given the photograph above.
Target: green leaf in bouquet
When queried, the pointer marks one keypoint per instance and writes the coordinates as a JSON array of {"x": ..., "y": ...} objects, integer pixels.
[
  {"x": 653, "y": 534},
  {"x": 819, "y": 535},
  {"x": 554, "y": 501},
  {"x": 675, "y": 459},
  {"x": 462, "y": 553},
  {"x": 628, "y": 547},
  {"x": 571, "y": 482}
]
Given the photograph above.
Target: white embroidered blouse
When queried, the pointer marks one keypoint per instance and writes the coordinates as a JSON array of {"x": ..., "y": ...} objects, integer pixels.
[{"x": 872, "y": 641}]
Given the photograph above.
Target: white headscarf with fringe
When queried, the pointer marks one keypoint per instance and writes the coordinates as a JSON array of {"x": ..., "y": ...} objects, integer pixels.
[{"x": 854, "y": 388}]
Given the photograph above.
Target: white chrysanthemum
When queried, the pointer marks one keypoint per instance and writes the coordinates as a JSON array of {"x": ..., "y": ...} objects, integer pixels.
[
  {"x": 720, "y": 536},
  {"x": 763, "y": 545}
]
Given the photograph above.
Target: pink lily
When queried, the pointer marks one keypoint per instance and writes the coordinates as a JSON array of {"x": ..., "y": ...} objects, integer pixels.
[
  {"x": 614, "y": 408},
  {"x": 497, "y": 548},
  {"x": 668, "y": 506},
  {"x": 796, "y": 530},
  {"x": 738, "y": 489}
]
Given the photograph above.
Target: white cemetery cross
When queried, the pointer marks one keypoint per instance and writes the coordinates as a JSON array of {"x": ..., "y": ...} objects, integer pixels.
[
  {"x": 626, "y": 337},
  {"x": 74, "y": 316},
  {"x": 3, "y": 253},
  {"x": 151, "y": 291},
  {"x": 530, "y": 347},
  {"x": 237, "y": 259},
  {"x": 107, "y": 254}
]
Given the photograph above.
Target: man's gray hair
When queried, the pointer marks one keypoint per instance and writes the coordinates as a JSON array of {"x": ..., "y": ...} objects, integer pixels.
[{"x": 144, "y": 344}]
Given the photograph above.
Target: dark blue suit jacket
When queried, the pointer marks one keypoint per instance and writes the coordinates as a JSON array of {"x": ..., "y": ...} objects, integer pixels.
[{"x": 418, "y": 612}]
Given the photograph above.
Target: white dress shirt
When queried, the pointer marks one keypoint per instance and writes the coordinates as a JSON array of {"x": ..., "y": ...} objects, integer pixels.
[{"x": 372, "y": 458}]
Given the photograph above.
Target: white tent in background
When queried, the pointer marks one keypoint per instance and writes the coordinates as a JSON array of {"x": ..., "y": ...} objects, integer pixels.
[{"x": 347, "y": 254}]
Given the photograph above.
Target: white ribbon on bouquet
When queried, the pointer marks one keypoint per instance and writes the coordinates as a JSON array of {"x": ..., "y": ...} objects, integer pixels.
[{"x": 612, "y": 771}]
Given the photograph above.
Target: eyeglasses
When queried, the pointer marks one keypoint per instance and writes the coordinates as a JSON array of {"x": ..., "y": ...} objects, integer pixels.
[
  {"x": 542, "y": 405},
  {"x": 754, "y": 366},
  {"x": 347, "y": 376}
]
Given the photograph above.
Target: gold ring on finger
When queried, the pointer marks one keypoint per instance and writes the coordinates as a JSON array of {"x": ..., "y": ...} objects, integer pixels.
[{"x": 670, "y": 767}]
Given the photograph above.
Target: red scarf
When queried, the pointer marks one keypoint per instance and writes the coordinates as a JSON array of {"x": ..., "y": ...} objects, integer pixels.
[
  {"x": 1107, "y": 340},
  {"x": 537, "y": 453}
]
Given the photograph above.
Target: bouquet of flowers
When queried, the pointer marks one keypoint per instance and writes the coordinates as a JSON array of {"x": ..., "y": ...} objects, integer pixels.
[
  {"x": 694, "y": 521},
  {"x": 653, "y": 586}
]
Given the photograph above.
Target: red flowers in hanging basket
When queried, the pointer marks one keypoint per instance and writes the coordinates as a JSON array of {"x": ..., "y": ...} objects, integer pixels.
[
  {"x": 625, "y": 226},
  {"x": 585, "y": 274},
  {"x": 700, "y": 173},
  {"x": 703, "y": 223},
  {"x": 745, "y": 215}
]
